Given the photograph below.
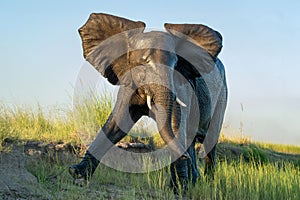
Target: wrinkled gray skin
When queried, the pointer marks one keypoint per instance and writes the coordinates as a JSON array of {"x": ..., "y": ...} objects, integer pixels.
[{"x": 155, "y": 64}]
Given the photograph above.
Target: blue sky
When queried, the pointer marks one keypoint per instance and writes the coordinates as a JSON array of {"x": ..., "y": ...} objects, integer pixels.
[{"x": 41, "y": 54}]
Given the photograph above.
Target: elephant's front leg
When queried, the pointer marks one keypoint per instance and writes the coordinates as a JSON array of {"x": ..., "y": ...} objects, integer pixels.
[
  {"x": 117, "y": 126},
  {"x": 211, "y": 140},
  {"x": 119, "y": 123},
  {"x": 210, "y": 162},
  {"x": 187, "y": 170},
  {"x": 179, "y": 169}
]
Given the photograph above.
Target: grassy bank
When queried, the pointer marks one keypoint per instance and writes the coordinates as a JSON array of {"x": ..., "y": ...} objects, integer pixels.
[
  {"x": 56, "y": 124},
  {"x": 233, "y": 180},
  {"x": 246, "y": 170},
  {"x": 80, "y": 123}
]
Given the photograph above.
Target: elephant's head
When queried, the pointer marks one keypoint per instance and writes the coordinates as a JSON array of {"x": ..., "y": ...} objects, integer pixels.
[{"x": 124, "y": 54}]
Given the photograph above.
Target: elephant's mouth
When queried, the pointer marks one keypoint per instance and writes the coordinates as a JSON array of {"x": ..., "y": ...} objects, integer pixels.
[
  {"x": 145, "y": 92},
  {"x": 150, "y": 102}
]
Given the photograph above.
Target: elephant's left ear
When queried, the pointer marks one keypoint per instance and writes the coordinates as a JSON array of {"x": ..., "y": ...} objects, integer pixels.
[{"x": 203, "y": 36}]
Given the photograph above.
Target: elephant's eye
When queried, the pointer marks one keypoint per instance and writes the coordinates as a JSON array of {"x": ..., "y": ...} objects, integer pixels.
[{"x": 145, "y": 59}]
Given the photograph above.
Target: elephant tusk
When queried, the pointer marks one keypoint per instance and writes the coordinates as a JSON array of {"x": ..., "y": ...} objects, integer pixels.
[
  {"x": 180, "y": 102},
  {"x": 149, "y": 102}
]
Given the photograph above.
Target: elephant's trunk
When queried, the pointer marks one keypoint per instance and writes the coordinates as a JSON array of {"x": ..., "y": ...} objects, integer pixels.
[{"x": 164, "y": 102}]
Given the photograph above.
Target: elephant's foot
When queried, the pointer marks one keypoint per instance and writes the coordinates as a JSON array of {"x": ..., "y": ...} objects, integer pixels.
[
  {"x": 181, "y": 188},
  {"x": 75, "y": 172},
  {"x": 179, "y": 176},
  {"x": 209, "y": 170},
  {"x": 78, "y": 179},
  {"x": 84, "y": 170}
]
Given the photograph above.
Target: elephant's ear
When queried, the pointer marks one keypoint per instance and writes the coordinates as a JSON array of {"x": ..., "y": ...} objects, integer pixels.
[
  {"x": 105, "y": 43},
  {"x": 205, "y": 37},
  {"x": 197, "y": 44}
]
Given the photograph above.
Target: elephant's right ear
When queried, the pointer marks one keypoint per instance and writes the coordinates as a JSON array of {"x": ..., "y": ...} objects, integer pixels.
[{"x": 105, "y": 43}]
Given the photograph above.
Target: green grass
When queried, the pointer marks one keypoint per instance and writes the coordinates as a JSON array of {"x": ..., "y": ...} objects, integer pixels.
[
  {"x": 293, "y": 149},
  {"x": 234, "y": 180},
  {"x": 80, "y": 125},
  {"x": 248, "y": 172},
  {"x": 69, "y": 125},
  {"x": 28, "y": 123}
]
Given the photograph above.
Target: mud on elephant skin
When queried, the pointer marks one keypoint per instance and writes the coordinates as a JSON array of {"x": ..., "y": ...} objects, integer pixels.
[{"x": 174, "y": 77}]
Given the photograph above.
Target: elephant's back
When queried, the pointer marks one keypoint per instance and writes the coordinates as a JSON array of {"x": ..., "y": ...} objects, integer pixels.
[
  {"x": 221, "y": 69},
  {"x": 211, "y": 86}
]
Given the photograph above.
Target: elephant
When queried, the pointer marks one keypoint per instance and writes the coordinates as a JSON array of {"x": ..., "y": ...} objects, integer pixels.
[{"x": 172, "y": 76}]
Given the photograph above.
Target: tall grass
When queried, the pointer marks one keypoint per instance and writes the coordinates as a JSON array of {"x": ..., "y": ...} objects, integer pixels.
[
  {"x": 234, "y": 180},
  {"x": 240, "y": 180},
  {"x": 27, "y": 123},
  {"x": 76, "y": 125},
  {"x": 70, "y": 125},
  {"x": 293, "y": 149},
  {"x": 79, "y": 125},
  {"x": 89, "y": 115},
  {"x": 236, "y": 138}
]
